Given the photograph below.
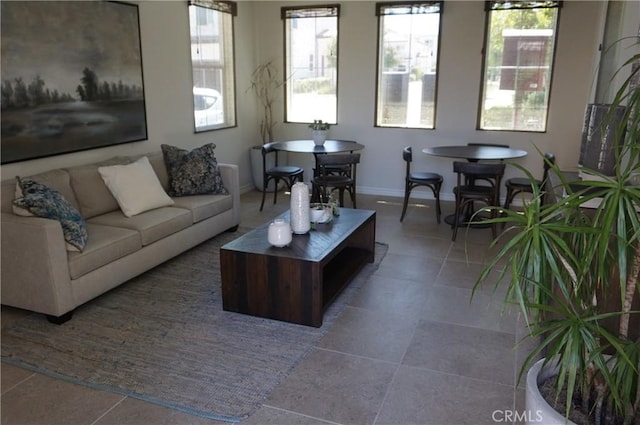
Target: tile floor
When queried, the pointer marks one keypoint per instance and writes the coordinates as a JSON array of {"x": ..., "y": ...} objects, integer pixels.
[{"x": 410, "y": 348}]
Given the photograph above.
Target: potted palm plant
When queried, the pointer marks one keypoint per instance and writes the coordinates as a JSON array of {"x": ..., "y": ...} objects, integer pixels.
[
  {"x": 573, "y": 272},
  {"x": 265, "y": 84}
]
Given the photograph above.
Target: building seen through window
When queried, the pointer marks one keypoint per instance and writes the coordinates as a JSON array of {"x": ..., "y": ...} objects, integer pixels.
[
  {"x": 407, "y": 64},
  {"x": 518, "y": 65},
  {"x": 311, "y": 63}
]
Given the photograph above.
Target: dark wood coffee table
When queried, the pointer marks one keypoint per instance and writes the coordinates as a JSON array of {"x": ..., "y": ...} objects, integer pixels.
[{"x": 296, "y": 283}]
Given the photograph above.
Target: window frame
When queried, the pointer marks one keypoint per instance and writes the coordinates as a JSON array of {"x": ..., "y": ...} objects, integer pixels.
[
  {"x": 302, "y": 12},
  {"x": 228, "y": 67},
  {"x": 380, "y": 6},
  {"x": 501, "y": 5}
]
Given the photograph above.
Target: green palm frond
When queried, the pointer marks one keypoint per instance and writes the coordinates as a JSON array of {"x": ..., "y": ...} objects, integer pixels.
[{"x": 564, "y": 262}]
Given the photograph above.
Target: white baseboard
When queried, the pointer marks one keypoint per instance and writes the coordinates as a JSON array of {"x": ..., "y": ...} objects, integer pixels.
[{"x": 395, "y": 193}]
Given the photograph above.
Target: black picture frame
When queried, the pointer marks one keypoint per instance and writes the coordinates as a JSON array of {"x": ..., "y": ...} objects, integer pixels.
[{"x": 72, "y": 77}]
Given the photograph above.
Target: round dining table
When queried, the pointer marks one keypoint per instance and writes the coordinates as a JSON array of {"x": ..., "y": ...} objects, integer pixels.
[
  {"x": 308, "y": 146},
  {"x": 475, "y": 153}
]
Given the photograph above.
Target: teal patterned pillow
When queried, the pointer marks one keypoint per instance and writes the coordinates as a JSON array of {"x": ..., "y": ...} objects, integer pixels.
[
  {"x": 193, "y": 172},
  {"x": 45, "y": 202}
]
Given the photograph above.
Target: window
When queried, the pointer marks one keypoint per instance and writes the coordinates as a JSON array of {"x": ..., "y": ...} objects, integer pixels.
[
  {"x": 212, "y": 62},
  {"x": 311, "y": 63},
  {"x": 518, "y": 65},
  {"x": 408, "y": 39}
]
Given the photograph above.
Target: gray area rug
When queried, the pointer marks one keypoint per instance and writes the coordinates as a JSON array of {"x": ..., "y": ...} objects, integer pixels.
[{"x": 164, "y": 338}]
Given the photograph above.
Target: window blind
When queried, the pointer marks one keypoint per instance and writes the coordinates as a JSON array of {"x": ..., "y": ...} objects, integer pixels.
[
  {"x": 513, "y": 5},
  {"x": 330, "y": 10},
  {"x": 411, "y": 8},
  {"x": 219, "y": 5}
]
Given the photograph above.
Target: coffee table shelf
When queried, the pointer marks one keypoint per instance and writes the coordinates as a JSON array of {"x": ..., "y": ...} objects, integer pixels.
[
  {"x": 340, "y": 270},
  {"x": 296, "y": 283}
]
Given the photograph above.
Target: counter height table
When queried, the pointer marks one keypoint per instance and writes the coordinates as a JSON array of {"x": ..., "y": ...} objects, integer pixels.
[
  {"x": 307, "y": 146},
  {"x": 473, "y": 153}
]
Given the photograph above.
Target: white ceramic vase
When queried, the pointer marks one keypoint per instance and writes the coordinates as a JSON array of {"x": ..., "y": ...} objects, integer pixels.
[
  {"x": 299, "y": 212},
  {"x": 319, "y": 136},
  {"x": 279, "y": 233}
]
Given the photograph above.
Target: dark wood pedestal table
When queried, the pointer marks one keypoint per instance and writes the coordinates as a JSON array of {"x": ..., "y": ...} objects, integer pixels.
[
  {"x": 296, "y": 283},
  {"x": 308, "y": 146},
  {"x": 473, "y": 153}
]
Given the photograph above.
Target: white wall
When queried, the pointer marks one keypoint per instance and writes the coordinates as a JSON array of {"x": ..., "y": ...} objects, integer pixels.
[
  {"x": 382, "y": 169},
  {"x": 259, "y": 36}
]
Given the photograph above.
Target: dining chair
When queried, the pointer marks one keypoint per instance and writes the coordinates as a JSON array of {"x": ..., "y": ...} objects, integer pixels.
[
  {"x": 495, "y": 145},
  {"x": 326, "y": 180},
  {"x": 414, "y": 179},
  {"x": 289, "y": 174},
  {"x": 467, "y": 194},
  {"x": 516, "y": 185},
  {"x": 341, "y": 169}
]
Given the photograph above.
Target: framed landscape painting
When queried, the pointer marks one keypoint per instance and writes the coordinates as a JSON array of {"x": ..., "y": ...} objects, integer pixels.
[{"x": 71, "y": 77}]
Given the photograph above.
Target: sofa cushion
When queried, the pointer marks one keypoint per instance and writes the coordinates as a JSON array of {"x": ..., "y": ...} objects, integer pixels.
[
  {"x": 157, "y": 163},
  {"x": 45, "y": 202},
  {"x": 152, "y": 225},
  {"x": 135, "y": 186},
  {"x": 92, "y": 194},
  {"x": 193, "y": 172},
  {"x": 204, "y": 206},
  {"x": 105, "y": 244}
]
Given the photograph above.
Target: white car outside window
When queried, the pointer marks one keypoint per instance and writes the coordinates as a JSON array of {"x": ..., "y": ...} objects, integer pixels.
[{"x": 208, "y": 107}]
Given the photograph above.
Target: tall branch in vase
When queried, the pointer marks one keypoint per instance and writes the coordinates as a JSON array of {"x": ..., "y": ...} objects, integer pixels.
[{"x": 265, "y": 83}]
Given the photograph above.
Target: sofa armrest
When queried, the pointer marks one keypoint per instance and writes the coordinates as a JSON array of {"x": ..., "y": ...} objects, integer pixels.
[
  {"x": 231, "y": 178},
  {"x": 35, "y": 270}
]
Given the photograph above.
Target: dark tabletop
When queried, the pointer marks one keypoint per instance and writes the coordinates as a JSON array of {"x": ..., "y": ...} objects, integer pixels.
[
  {"x": 307, "y": 146},
  {"x": 475, "y": 153},
  {"x": 312, "y": 246}
]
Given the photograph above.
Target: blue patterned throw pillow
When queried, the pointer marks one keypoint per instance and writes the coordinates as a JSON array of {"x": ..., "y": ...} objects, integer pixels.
[
  {"x": 193, "y": 172},
  {"x": 45, "y": 202}
]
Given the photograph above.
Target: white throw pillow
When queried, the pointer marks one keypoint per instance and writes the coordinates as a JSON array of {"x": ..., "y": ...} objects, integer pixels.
[{"x": 135, "y": 186}]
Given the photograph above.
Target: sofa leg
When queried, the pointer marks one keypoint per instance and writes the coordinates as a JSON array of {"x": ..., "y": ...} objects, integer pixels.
[
  {"x": 232, "y": 229},
  {"x": 59, "y": 320}
]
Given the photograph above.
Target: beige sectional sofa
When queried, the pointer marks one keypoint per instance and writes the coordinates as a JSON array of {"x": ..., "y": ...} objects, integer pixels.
[{"x": 39, "y": 273}]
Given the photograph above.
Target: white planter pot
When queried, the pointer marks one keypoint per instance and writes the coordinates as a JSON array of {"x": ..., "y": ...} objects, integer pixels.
[
  {"x": 538, "y": 411},
  {"x": 319, "y": 136}
]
